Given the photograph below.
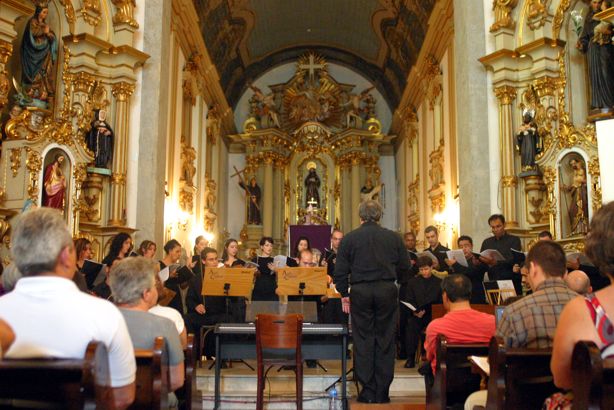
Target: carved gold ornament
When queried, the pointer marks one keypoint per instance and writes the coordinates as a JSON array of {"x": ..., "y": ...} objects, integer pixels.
[
  {"x": 34, "y": 165},
  {"x": 559, "y": 17},
  {"x": 124, "y": 13},
  {"x": 15, "y": 161},
  {"x": 503, "y": 10}
]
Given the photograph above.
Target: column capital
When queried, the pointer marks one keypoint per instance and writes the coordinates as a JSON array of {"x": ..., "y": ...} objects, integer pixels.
[
  {"x": 509, "y": 181},
  {"x": 122, "y": 90},
  {"x": 505, "y": 94}
]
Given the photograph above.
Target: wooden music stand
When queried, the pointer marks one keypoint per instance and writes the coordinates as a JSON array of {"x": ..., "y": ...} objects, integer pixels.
[
  {"x": 228, "y": 282},
  {"x": 301, "y": 281}
]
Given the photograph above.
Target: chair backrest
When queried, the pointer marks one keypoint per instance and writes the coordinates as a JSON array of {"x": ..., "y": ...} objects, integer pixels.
[
  {"x": 151, "y": 377},
  {"x": 439, "y": 311},
  {"x": 519, "y": 377},
  {"x": 593, "y": 378},
  {"x": 189, "y": 392},
  {"x": 279, "y": 331},
  {"x": 454, "y": 380},
  {"x": 69, "y": 383}
]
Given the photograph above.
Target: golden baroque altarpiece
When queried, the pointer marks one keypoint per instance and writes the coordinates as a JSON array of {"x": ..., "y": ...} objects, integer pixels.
[
  {"x": 90, "y": 75},
  {"x": 310, "y": 124}
]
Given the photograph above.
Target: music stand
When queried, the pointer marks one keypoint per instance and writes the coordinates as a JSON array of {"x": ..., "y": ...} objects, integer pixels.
[
  {"x": 228, "y": 282},
  {"x": 300, "y": 282}
]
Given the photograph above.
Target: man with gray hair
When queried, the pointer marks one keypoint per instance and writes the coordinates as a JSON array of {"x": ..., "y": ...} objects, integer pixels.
[
  {"x": 133, "y": 285},
  {"x": 48, "y": 313},
  {"x": 375, "y": 256}
]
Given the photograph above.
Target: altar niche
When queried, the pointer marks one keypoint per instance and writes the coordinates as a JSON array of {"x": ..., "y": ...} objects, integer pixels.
[{"x": 311, "y": 143}]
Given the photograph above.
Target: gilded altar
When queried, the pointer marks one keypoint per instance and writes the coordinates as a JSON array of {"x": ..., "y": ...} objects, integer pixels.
[{"x": 311, "y": 143}]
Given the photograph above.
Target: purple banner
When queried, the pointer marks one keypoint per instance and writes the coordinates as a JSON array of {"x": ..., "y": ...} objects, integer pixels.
[{"x": 318, "y": 235}]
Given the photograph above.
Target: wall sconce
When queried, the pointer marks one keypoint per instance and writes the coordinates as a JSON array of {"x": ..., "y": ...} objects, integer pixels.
[
  {"x": 183, "y": 218},
  {"x": 447, "y": 220}
]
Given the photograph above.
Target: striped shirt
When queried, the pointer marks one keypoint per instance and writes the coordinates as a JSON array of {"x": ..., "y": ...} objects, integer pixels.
[{"x": 531, "y": 321}]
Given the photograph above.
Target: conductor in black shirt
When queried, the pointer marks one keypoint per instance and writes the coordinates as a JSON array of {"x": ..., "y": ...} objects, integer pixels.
[{"x": 375, "y": 256}]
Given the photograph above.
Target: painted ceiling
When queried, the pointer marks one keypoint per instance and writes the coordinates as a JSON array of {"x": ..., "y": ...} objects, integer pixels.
[{"x": 380, "y": 39}]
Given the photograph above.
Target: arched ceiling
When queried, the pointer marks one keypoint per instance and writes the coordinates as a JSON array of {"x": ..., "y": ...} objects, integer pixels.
[{"x": 380, "y": 39}]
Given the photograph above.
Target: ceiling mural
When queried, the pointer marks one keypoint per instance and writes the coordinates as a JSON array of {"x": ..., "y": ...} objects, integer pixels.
[{"x": 380, "y": 39}]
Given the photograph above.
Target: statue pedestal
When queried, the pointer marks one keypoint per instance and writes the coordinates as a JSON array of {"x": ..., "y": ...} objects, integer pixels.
[
  {"x": 605, "y": 145},
  {"x": 250, "y": 242}
]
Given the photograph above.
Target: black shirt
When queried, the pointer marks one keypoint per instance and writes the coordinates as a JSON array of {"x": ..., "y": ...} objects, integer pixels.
[
  {"x": 505, "y": 244},
  {"x": 370, "y": 253},
  {"x": 440, "y": 254},
  {"x": 422, "y": 293}
]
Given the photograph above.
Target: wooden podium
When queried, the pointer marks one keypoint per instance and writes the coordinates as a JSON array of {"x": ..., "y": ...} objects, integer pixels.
[
  {"x": 228, "y": 282},
  {"x": 302, "y": 281}
]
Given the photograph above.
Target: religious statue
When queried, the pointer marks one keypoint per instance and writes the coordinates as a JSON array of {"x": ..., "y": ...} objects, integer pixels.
[
  {"x": 312, "y": 191},
  {"x": 370, "y": 192},
  {"x": 210, "y": 199},
  {"x": 54, "y": 184},
  {"x": 264, "y": 106},
  {"x": 355, "y": 110},
  {"x": 100, "y": 139},
  {"x": 596, "y": 42},
  {"x": 577, "y": 209},
  {"x": 188, "y": 170},
  {"x": 39, "y": 48},
  {"x": 528, "y": 141},
  {"x": 253, "y": 195}
]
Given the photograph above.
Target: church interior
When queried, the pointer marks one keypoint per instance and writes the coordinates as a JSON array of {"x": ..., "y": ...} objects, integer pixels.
[{"x": 252, "y": 119}]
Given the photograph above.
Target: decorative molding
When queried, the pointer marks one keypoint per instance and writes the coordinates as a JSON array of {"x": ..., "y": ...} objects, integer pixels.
[
  {"x": 559, "y": 17},
  {"x": 505, "y": 94},
  {"x": 15, "y": 160},
  {"x": 33, "y": 164},
  {"x": 122, "y": 91}
]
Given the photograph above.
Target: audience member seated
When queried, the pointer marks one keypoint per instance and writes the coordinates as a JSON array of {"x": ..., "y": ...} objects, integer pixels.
[
  {"x": 461, "y": 324},
  {"x": 531, "y": 321},
  {"x": 169, "y": 313},
  {"x": 133, "y": 284},
  {"x": 474, "y": 271},
  {"x": 205, "y": 311},
  {"x": 588, "y": 317},
  {"x": 579, "y": 282},
  {"x": 49, "y": 315},
  {"x": 422, "y": 291},
  {"x": 7, "y": 337}
]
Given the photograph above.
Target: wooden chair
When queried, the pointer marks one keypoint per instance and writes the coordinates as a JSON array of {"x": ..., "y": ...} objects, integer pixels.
[
  {"x": 67, "y": 383},
  {"x": 454, "y": 380},
  {"x": 593, "y": 378},
  {"x": 278, "y": 342},
  {"x": 152, "y": 377},
  {"x": 519, "y": 378}
]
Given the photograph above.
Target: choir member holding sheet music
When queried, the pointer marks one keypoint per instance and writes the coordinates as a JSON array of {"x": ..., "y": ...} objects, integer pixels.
[
  {"x": 174, "y": 276},
  {"x": 410, "y": 244},
  {"x": 438, "y": 250},
  {"x": 502, "y": 242},
  {"x": 83, "y": 249},
  {"x": 464, "y": 261},
  {"x": 422, "y": 291},
  {"x": 265, "y": 283}
]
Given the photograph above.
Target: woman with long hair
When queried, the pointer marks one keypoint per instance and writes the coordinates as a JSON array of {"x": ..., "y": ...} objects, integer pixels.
[
  {"x": 120, "y": 247},
  {"x": 265, "y": 283},
  {"x": 229, "y": 255}
]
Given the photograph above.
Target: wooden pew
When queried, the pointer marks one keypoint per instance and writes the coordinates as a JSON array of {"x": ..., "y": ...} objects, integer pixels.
[
  {"x": 439, "y": 311},
  {"x": 454, "y": 380},
  {"x": 519, "y": 378},
  {"x": 189, "y": 396},
  {"x": 68, "y": 383},
  {"x": 152, "y": 377},
  {"x": 593, "y": 378}
]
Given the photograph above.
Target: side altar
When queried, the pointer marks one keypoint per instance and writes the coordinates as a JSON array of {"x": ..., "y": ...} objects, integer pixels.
[{"x": 312, "y": 147}]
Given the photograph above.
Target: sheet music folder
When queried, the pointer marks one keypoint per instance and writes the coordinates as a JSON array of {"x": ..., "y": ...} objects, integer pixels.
[{"x": 309, "y": 310}]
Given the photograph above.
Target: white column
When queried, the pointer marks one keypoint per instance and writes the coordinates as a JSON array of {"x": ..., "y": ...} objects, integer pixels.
[{"x": 605, "y": 145}]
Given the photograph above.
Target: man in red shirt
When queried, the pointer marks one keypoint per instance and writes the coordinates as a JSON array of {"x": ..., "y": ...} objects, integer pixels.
[{"x": 461, "y": 324}]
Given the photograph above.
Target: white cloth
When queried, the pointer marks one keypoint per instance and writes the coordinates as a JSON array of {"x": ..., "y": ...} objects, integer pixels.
[
  {"x": 172, "y": 314},
  {"x": 52, "y": 318},
  {"x": 477, "y": 398}
]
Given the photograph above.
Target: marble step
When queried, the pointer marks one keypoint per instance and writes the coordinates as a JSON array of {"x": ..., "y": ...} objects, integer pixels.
[{"x": 238, "y": 386}]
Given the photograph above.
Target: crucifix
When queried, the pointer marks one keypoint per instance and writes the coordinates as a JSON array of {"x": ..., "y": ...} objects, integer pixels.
[{"x": 311, "y": 67}]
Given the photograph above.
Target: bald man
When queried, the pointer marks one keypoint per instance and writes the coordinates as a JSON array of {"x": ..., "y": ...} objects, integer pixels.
[{"x": 578, "y": 281}]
